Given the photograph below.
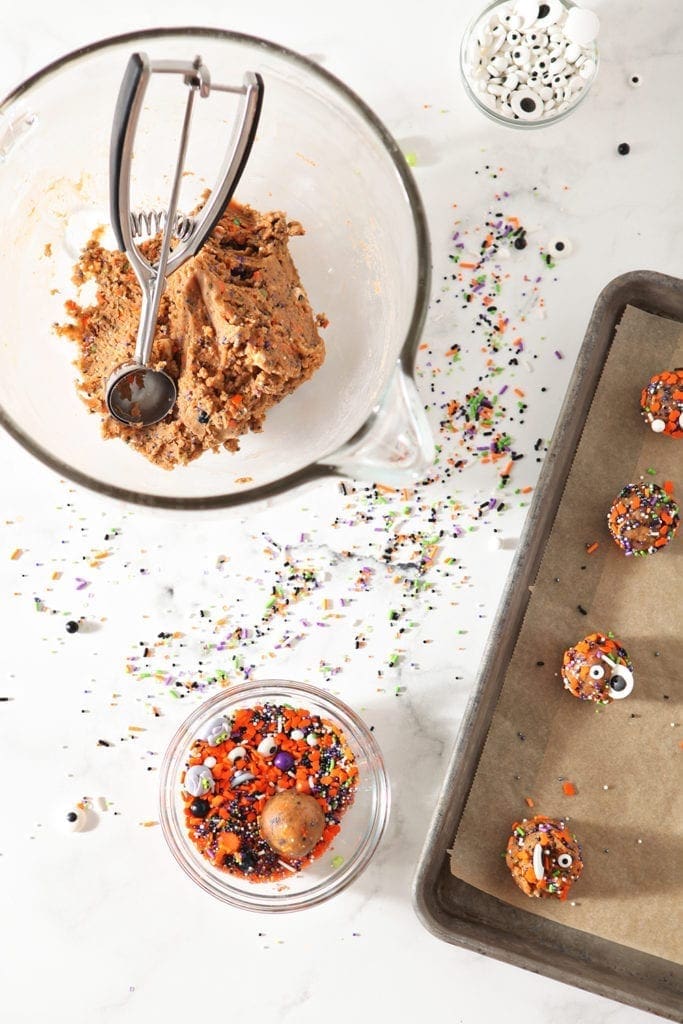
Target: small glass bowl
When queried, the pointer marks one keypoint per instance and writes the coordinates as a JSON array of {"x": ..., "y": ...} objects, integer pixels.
[
  {"x": 362, "y": 825},
  {"x": 494, "y": 115}
]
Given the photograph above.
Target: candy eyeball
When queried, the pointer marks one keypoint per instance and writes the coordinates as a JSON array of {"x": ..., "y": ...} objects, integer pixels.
[
  {"x": 526, "y": 104},
  {"x": 620, "y": 682},
  {"x": 596, "y": 672},
  {"x": 559, "y": 248},
  {"x": 565, "y": 860},
  {"x": 74, "y": 819},
  {"x": 549, "y": 13}
]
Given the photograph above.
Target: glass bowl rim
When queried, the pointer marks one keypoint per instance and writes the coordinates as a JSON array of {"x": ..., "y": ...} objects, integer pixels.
[
  {"x": 252, "y": 692},
  {"x": 316, "y": 470},
  {"x": 507, "y": 122}
]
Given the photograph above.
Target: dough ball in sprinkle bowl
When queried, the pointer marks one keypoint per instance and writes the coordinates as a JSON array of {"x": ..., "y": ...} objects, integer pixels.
[
  {"x": 292, "y": 804},
  {"x": 597, "y": 669},
  {"x": 643, "y": 518},
  {"x": 292, "y": 823},
  {"x": 544, "y": 857},
  {"x": 661, "y": 403}
]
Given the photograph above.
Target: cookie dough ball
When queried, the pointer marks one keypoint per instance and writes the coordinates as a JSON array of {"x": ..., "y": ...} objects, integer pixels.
[
  {"x": 662, "y": 403},
  {"x": 544, "y": 858},
  {"x": 643, "y": 518},
  {"x": 598, "y": 669},
  {"x": 292, "y": 823}
]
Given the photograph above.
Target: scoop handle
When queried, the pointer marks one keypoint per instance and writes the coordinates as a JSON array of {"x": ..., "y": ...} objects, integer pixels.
[{"x": 126, "y": 115}]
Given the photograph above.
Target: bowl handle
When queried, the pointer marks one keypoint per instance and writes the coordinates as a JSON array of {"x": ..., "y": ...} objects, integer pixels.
[{"x": 395, "y": 444}]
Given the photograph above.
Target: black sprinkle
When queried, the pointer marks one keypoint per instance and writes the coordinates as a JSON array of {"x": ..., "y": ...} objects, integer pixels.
[
  {"x": 582, "y": 609},
  {"x": 623, "y": 149},
  {"x": 521, "y": 736},
  {"x": 103, "y": 743}
]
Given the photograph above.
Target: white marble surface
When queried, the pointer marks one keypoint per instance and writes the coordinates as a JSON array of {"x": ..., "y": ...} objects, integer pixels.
[{"x": 103, "y": 926}]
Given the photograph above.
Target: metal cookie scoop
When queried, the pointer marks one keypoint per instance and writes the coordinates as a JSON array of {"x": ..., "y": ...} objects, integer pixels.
[{"x": 136, "y": 394}]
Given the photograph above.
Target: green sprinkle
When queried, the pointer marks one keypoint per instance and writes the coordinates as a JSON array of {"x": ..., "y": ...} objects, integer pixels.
[
  {"x": 411, "y": 159},
  {"x": 652, "y": 472},
  {"x": 393, "y": 660},
  {"x": 337, "y": 861},
  {"x": 269, "y": 604},
  {"x": 174, "y": 693},
  {"x": 236, "y": 221}
]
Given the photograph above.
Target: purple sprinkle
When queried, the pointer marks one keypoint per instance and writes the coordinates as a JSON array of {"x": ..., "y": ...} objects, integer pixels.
[
  {"x": 559, "y": 354},
  {"x": 503, "y": 389},
  {"x": 82, "y": 584}
]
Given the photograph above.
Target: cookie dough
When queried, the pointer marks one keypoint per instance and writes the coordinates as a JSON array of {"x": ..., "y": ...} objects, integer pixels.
[
  {"x": 662, "y": 403},
  {"x": 292, "y": 823},
  {"x": 597, "y": 669},
  {"x": 643, "y": 518},
  {"x": 235, "y": 330},
  {"x": 544, "y": 858}
]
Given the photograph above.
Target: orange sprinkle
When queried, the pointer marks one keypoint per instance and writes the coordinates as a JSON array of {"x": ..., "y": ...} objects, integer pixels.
[
  {"x": 569, "y": 789},
  {"x": 468, "y": 266},
  {"x": 518, "y": 391},
  {"x": 149, "y": 824},
  {"x": 507, "y": 469},
  {"x": 17, "y": 553},
  {"x": 668, "y": 486},
  {"x": 385, "y": 489},
  {"x": 526, "y": 490},
  {"x": 528, "y": 801},
  {"x": 136, "y": 728},
  {"x": 590, "y": 548},
  {"x": 56, "y": 575}
]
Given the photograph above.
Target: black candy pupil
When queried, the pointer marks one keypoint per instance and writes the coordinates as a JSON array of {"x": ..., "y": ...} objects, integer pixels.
[
  {"x": 617, "y": 683},
  {"x": 559, "y": 246},
  {"x": 71, "y": 816},
  {"x": 528, "y": 104},
  {"x": 543, "y": 10},
  {"x": 199, "y": 808}
]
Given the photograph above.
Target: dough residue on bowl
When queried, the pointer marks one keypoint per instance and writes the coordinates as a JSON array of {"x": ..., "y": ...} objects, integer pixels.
[{"x": 235, "y": 330}]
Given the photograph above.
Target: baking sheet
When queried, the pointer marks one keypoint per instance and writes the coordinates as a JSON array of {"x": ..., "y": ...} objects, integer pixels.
[{"x": 632, "y": 831}]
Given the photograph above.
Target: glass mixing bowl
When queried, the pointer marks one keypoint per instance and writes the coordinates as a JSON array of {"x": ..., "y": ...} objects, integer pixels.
[
  {"x": 362, "y": 825},
  {"x": 321, "y": 156}
]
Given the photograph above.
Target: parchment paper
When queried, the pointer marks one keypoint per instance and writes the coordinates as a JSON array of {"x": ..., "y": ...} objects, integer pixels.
[{"x": 624, "y": 759}]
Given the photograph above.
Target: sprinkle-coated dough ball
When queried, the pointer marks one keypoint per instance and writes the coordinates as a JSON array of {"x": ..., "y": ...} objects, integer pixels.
[
  {"x": 643, "y": 518},
  {"x": 598, "y": 669},
  {"x": 544, "y": 858},
  {"x": 662, "y": 403}
]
